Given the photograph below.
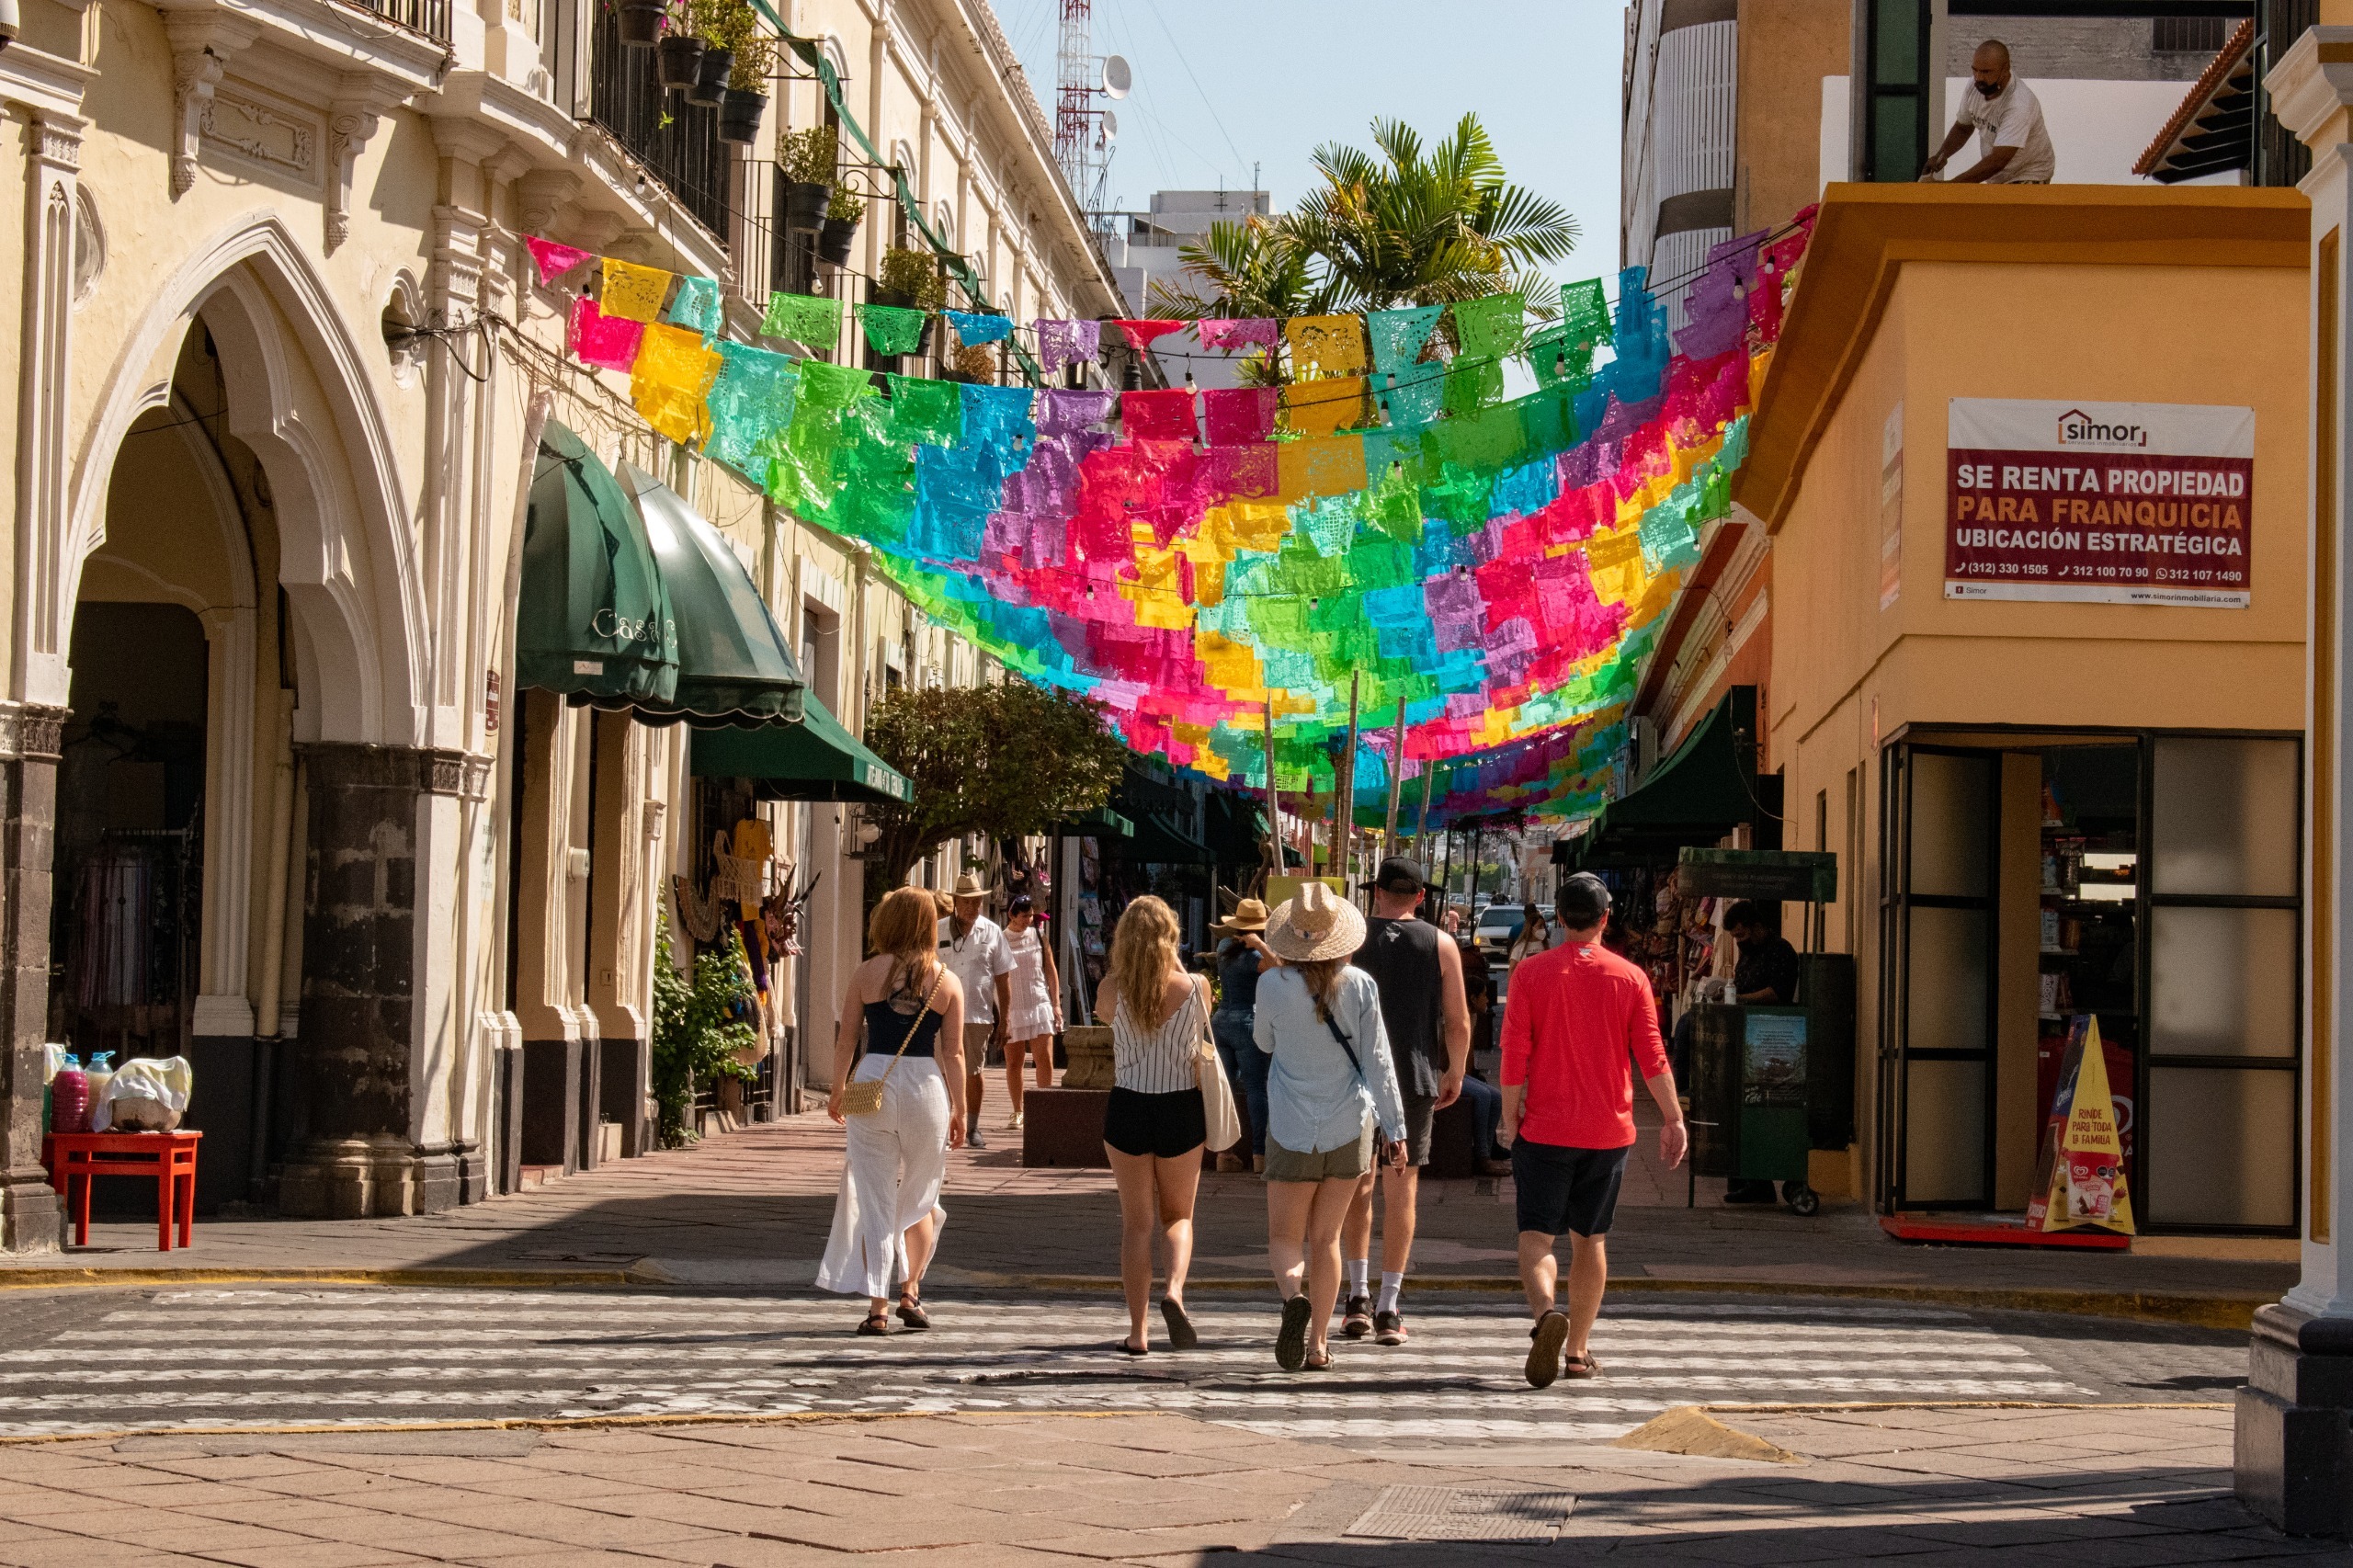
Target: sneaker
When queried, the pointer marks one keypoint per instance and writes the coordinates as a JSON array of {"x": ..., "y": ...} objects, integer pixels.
[
  {"x": 1012, "y": 1123},
  {"x": 973, "y": 1139},
  {"x": 1228, "y": 1164},
  {"x": 1358, "y": 1322},
  {"x": 1389, "y": 1328},
  {"x": 1290, "y": 1344}
]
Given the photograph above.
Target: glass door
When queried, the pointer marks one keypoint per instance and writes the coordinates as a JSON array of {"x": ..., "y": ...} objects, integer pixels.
[{"x": 1937, "y": 1066}]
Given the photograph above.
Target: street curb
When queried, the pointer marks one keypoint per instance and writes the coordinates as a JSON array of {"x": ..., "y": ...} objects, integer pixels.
[{"x": 2183, "y": 1307}]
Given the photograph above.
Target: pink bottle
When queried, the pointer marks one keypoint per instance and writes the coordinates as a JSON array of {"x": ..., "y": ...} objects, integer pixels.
[{"x": 69, "y": 1098}]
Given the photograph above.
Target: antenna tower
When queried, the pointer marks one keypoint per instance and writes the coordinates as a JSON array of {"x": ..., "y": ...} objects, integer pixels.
[{"x": 1082, "y": 143}]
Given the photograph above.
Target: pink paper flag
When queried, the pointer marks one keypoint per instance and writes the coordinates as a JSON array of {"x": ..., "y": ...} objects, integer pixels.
[
  {"x": 555, "y": 260},
  {"x": 1157, "y": 416},
  {"x": 1141, "y": 333},
  {"x": 606, "y": 342}
]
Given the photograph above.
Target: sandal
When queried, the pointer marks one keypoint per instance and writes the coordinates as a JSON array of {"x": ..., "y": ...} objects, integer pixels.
[
  {"x": 1182, "y": 1336},
  {"x": 1583, "y": 1366},
  {"x": 911, "y": 1310},
  {"x": 1547, "y": 1340},
  {"x": 1124, "y": 1348},
  {"x": 1290, "y": 1343},
  {"x": 876, "y": 1323},
  {"x": 1317, "y": 1363}
]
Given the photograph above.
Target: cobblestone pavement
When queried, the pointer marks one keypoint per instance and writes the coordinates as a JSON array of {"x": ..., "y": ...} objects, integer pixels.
[
  {"x": 751, "y": 1210},
  {"x": 2110, "y": 1486},
  {"x": 228, "y": 1357}
]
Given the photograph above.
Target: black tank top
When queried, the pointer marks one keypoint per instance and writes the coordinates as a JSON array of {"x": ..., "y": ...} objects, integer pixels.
[{"x": 1402, "y": 958}]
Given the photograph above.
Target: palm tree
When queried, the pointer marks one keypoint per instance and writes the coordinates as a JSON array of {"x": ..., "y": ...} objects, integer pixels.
[
  {"x": 1415, "y": 227},
  {"x": 1247, "y": 269}
]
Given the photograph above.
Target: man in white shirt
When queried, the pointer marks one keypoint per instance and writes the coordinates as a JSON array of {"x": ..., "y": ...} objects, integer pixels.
[
  {"x": 973, "y": 948},
  {"x": 2013, "y": 147}
]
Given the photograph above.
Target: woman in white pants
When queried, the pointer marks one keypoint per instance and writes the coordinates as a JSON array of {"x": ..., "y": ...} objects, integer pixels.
[{"x": 910, "y": 1012}]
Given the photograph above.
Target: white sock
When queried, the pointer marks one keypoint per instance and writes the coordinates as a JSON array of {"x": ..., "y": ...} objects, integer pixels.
[
  {"x": 1392, "y": 1287},
  {"x": 1357, "y": 1270}
]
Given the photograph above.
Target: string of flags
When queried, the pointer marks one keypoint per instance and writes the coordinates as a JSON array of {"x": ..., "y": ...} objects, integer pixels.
[{"x": 1389, "y": 520}]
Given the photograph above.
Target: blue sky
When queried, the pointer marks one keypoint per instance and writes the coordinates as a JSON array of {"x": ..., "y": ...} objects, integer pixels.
[{"x": 1221, "y": 85}]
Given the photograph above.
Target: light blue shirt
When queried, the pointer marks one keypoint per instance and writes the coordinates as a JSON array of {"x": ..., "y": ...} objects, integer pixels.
[{"x": 1315, "y": 1099}]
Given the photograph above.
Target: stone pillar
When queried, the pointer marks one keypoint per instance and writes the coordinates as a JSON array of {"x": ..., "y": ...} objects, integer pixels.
[
  {"x": 373, "y": 889},
  {"x": 31, "y": 1219},
  {"x": 2294, "y": 1441}
]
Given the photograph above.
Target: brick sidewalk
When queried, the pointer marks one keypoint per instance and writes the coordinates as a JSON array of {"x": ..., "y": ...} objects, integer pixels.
[
  {"x": 2111, "y": 1487},
  {"x": 752, "y": 1208}
]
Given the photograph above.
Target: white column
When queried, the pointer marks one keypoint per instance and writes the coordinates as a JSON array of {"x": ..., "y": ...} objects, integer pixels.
[
  {"x": 44, "y": 381},
  {"x": 223, "y": 1008}
]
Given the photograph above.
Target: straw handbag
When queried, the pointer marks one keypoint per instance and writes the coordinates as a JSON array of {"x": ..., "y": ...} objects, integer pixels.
[{"x": 864, "y": 1097}]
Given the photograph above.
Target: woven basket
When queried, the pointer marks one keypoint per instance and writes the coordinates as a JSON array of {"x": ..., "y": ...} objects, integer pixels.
[
  {"x": 1087, "y": 1049},
  {"x": 734, "y": 877}
]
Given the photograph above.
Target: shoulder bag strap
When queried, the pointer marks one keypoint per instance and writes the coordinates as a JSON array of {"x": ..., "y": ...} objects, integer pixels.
[
  {"x": 938, "y": 972},
  {"x": 1333, "y": 1025}
]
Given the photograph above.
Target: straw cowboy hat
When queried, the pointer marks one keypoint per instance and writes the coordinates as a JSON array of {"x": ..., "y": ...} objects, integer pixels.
[
  {"x": 968, "y": 885},
  {"x": 1315, "y": 924},
  {"x": 1250, "y": 914}
]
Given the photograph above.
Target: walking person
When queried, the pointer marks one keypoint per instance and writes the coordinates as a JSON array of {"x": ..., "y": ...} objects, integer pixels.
[
  {"x": 1577, "y": 1022},
  {"x": 1035, "y": 1015},
  {"x": 1329, "y": 1080},
  {"x": 1419, "y": 973},
  {"x": 1535, "y": 936},
  {"x": 908, "y": 1011},
  {"x": 1155, "y": 1124},
  {"x": 1241, "y": 957},
  {"x": 972, "y": 946}
]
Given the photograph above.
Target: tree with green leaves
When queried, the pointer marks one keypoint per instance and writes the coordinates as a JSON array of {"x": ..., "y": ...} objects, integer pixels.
[
  {"x": 1006, "y": 758},
  {"x": 1253, "y": 268}
]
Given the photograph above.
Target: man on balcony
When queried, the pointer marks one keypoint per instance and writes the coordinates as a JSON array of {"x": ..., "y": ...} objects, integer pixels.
[{"x": 2013, "y": 147}]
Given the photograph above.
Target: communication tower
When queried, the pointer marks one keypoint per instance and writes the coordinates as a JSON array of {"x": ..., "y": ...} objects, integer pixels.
[{"x": 1084, "y": 128}]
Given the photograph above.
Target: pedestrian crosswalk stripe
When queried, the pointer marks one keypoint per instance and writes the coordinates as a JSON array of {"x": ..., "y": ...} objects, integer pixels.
[{"x": 242, "y": 1356}]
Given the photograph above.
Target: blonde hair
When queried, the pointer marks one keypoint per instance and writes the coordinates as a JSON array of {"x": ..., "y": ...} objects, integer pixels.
[
  {"x": 1143, "y": 949},
  {"x": 904, "y": 925},
  {"x": 1323, "y": 977}
]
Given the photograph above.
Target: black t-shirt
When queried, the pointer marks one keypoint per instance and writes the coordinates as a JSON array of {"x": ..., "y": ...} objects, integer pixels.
[
  {"x": 1402, "y": 958},
  {"x": 1767, "y": 964}
]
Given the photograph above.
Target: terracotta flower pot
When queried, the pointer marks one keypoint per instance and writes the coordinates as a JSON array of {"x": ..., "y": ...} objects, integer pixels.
[
  {"x": 804, "y": 205},
  {"x": 678, "y": 61},
  {"x": 833, "y": 241},
  {"x": 641, "y": 22},
  {"x": 739, "y": 116},
  {"x": 710, "y": 77}
]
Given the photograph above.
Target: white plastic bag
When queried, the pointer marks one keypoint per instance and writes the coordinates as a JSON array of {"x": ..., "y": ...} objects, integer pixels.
[{"x": 146, "y": 1094}]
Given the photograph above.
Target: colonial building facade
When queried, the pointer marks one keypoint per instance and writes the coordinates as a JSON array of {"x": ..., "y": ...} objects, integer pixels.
[{"x": 272, "y": 800}]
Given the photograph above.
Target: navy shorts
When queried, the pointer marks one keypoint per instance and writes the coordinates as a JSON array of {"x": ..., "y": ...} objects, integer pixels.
[{"x": 1564, "y": 1190}]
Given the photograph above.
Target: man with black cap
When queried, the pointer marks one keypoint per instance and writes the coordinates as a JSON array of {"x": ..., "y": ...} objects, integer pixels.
[
  {"x": 1419, "y": 971},
  {"x": 1577, "y": 1022}
]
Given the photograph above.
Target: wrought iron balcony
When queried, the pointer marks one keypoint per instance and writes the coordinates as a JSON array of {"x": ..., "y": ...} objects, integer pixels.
[
  {"x": 677, "y": 142},
  {"x": 430, "y": 17}
]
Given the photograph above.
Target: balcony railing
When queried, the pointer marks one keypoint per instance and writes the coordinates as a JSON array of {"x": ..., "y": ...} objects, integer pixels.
[
  {"x": 677, "y": 142},
  {"x": 430, "y": 17}
]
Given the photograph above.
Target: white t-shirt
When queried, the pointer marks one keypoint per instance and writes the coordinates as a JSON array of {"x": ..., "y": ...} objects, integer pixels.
[
  {"x": 2011, "y": 117},
  {"x": 976, "y": 958}
]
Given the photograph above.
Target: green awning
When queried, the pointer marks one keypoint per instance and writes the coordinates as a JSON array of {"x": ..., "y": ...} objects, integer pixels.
[
  {"x": 1100, "y": 823},
  {"x": 734, "y": 666},
  {"x": 813, "y": 758},
  {"x": 595, "y": 621},
  {"x": 1696, "y": 796},
  {"x": 1161, "y": 840}
]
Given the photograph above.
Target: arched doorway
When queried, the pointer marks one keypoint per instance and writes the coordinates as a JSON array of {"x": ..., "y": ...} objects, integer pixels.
[{"x": 154, "y": 857}]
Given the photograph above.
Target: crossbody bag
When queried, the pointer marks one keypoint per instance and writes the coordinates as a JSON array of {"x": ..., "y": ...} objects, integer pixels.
[
  {"x": 1380, "y": 1139},
  {"x": 864, "y": 1097}
]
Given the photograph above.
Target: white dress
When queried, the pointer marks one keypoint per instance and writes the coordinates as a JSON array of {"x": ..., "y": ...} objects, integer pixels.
[
  {"x": 1033, "y": 1006},
  {"x": 890, "y": 1176}
]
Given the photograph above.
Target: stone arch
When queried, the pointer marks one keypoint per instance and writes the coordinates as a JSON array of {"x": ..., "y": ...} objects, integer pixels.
[{"x": 303, "y": 398}]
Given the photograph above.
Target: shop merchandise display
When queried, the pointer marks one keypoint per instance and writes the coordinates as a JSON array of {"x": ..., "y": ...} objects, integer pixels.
[{"x": 1389, "y": 525}]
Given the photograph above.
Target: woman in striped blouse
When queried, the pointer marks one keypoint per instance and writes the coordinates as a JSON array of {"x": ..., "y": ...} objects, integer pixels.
[{"x": 1153, "y": 1126}]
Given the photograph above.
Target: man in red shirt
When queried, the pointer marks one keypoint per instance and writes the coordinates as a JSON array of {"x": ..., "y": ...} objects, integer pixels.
[{"x": 1576, "y": 1021}]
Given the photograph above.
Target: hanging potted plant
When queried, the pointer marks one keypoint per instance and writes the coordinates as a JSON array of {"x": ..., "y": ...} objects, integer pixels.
[
  {"x": 639, "y": 21},
  {"x": 720, "y": 23},
  {"x": 843, "y": 214},
  {"x": 807, "y": 159},
  {"x": 911, "y": 281},
  {"x": 746, "y": 100},
  {"x": 678, "y": 56}
]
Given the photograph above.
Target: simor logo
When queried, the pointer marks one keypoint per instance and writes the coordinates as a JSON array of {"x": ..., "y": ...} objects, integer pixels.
[{"x": 2077, "y": 428}]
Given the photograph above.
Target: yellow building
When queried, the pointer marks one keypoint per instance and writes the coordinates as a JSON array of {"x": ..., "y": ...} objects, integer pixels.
[{"x": 2033, "y": 463}]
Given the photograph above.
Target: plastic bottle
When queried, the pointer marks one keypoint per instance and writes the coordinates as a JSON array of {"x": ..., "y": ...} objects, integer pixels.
[
  {"x": 69, "y": 1097},
  {"x": 100, "y": 1074}
]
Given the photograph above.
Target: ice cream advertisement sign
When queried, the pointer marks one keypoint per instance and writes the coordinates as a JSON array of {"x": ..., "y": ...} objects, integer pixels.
[{"x": 2079, "y": 1180}]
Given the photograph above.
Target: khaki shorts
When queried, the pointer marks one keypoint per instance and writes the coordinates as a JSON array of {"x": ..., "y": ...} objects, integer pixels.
[
  {"x": 1346, "y": 1162},
  {"x": 977, "y": 1054}
]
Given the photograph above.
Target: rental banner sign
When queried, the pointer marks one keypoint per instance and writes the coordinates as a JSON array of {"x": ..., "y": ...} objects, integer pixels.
[{"x": 2111, "y": 502}]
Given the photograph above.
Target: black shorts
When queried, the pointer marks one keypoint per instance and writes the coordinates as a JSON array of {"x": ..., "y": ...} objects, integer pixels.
[
  {"x": 1168, "y": 1126},
  {"x": 1564, "y": 1191}
]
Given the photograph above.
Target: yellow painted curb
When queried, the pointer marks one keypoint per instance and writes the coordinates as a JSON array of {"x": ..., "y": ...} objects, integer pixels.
[{"x": 2233, "y": 1311}]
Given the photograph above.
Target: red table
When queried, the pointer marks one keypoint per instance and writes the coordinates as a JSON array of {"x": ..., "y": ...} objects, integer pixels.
[{"x": 168, "y": 1159}]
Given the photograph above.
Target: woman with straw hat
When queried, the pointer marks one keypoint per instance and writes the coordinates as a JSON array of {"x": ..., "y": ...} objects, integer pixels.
[
  {"x": 1241, "y": 958},
  {"x": 1330, "y": 1078}
]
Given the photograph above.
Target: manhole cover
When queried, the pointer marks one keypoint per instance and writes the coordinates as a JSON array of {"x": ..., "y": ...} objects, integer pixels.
[{"x": 1465, "y": 1513}]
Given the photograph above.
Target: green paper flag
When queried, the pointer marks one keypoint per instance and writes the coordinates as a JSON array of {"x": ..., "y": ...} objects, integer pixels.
[
  {"x": 891, "y": 329},
  {"x": 805, "y": 319}
]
